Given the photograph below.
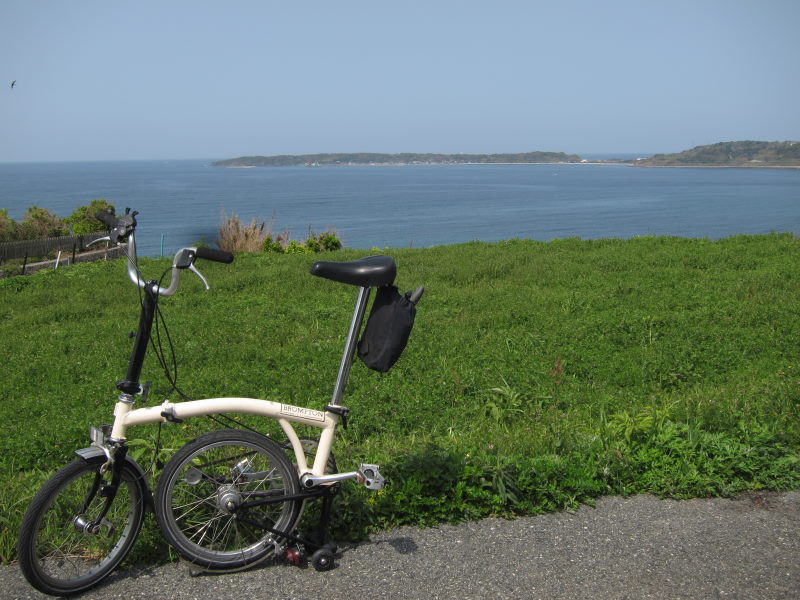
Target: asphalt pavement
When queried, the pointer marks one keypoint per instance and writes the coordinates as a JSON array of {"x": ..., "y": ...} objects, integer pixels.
[{"x": 632, "y": 548}]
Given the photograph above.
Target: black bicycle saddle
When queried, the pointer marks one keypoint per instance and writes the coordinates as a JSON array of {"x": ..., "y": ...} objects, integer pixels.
[{"x": 371, "y": 271}]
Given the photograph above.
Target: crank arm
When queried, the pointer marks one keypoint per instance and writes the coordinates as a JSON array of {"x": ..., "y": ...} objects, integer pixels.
[{"x": 367, "y": 475}]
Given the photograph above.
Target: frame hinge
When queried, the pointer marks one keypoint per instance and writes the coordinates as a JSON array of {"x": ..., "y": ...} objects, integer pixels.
[
  {"x": 169, "y": 415},
  {"x": 342, "y": 411}
]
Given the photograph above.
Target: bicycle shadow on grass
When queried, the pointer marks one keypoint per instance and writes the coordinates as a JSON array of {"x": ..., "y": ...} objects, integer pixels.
[{"x": 418, "y": 493}]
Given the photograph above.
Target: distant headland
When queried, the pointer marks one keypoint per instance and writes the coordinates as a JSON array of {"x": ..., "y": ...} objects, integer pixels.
[
  {"x": 724, "y": 154},
  {"x": 730, "y": 154}
]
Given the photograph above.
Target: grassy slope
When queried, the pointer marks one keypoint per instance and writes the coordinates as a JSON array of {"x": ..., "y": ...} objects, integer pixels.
[{"x": 538, "y": 375}]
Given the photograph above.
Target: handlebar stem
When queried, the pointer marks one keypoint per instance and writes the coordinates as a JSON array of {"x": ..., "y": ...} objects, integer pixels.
[{"x": 133, "y": 273}]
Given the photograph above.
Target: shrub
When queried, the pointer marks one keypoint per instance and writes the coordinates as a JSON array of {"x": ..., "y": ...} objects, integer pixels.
[
  {"x": 275, "y": 244},
  {"x": 8, "y": 228},
  {"x": 40, "y": 223},
  {"x": 323, "y": 242},
  {"x": 330, "y": 241},
  {"x": 313, "y": 244},
  {"x": 295, "y": 247},
  {"x": 83, "y": 220}
]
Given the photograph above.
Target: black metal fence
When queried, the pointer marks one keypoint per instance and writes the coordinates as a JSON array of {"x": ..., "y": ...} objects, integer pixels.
[
  {"x": 43, "y": 247},
  {"x": 64, "y": 260}
]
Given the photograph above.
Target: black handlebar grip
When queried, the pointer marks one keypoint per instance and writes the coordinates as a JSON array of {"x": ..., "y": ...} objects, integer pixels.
[
  {"x": 215, "y": 255},
  {"x": 106, "y": 217}
]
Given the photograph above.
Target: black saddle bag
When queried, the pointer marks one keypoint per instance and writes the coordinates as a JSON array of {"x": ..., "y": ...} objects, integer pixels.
[{"x": 388, "y": 327}]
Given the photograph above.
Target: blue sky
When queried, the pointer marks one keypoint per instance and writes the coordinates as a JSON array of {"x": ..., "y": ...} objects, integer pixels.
[{"x": 196, "y": 79}]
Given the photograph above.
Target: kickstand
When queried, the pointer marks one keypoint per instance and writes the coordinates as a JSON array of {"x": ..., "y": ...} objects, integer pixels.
[
  {"x": 324, "y": 520},
  {"x": 322, "y": 549}
]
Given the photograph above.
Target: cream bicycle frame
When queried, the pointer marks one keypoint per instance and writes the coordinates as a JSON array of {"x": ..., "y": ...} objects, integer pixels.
[{"x": 285, "y": 414}]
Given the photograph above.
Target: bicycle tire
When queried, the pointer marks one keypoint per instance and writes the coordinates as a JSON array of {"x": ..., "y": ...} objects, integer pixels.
[
  {"x": 55, "y": 556},
  {"x": 205, "y": 483}
]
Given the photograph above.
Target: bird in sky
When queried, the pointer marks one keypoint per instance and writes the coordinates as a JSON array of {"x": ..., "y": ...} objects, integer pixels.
[{"x": 13, "y": 83}]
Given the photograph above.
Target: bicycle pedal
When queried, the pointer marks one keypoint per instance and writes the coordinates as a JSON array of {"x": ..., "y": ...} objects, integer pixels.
[{"x": 370, "y": 477}]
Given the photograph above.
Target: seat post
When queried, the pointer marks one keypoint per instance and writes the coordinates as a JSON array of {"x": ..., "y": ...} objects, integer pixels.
[{"x": 350, "y": 345}]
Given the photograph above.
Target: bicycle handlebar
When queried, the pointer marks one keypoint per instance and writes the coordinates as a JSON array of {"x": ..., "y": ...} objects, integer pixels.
[
  {"x": 122, "y": 231},
  {"x": 120, "y": 227}
]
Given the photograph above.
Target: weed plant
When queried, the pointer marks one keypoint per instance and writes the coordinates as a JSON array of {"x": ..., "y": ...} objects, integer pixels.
[
  {"x": 539, "y": 375},
  {"x": 235, "y": 236}
]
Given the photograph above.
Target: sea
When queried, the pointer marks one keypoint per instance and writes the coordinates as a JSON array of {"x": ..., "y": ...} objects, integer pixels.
[{"x": 182, "y": 202}]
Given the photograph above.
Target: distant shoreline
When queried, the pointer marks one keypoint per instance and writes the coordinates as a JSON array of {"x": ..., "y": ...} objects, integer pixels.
[
  {"x": 399, "y": 159},
  {"x": 625, "y": 163},
  {"x": 481, "y": 164},
  {"x": 729, "y": 155},
  {"x": 606, "y": 163},
  {"x": 715, "y": 166}
]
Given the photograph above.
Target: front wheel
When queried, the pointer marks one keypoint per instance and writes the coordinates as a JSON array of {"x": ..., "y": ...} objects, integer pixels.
[
  {"x": 222, "y": 497},
  {"x": 57, "y": 553}
]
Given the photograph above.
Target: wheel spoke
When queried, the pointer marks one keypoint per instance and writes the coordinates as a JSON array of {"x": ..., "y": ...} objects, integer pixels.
[{"x": 191, "y": 507}]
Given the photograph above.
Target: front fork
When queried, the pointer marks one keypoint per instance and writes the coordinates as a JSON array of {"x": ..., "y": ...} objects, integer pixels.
[{"x": 115, "y": 454}]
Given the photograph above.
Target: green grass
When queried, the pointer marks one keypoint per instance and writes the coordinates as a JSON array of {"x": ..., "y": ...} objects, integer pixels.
[{"x": 538, "y": 376}]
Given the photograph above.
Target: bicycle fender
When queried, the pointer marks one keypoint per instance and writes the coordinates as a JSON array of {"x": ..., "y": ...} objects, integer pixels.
[{"x": 93, "y": 451}]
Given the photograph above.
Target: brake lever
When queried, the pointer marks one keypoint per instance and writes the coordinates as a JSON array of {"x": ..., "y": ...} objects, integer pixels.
[
  {"x": 194, "y": 270},
  {"x": 102, "y": 239}
]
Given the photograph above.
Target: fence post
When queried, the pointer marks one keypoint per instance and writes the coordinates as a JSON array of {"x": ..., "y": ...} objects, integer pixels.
[
  {"x": 24, "y": 263},
  {"x": 74, "y": 247}
]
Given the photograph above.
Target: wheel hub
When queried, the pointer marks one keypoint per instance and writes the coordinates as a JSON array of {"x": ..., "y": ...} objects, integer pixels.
[
  {"x": 86, "y": 527},
  {"x": 228, "y": 498}
]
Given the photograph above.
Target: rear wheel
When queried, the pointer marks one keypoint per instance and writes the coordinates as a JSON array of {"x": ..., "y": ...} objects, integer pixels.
[
  {"x": 218, "y": 495},
  {"x": 58, "y": 554}
]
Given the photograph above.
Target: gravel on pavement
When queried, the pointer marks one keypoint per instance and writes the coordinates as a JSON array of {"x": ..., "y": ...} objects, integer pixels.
[{"x": 637, "y": 547}]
